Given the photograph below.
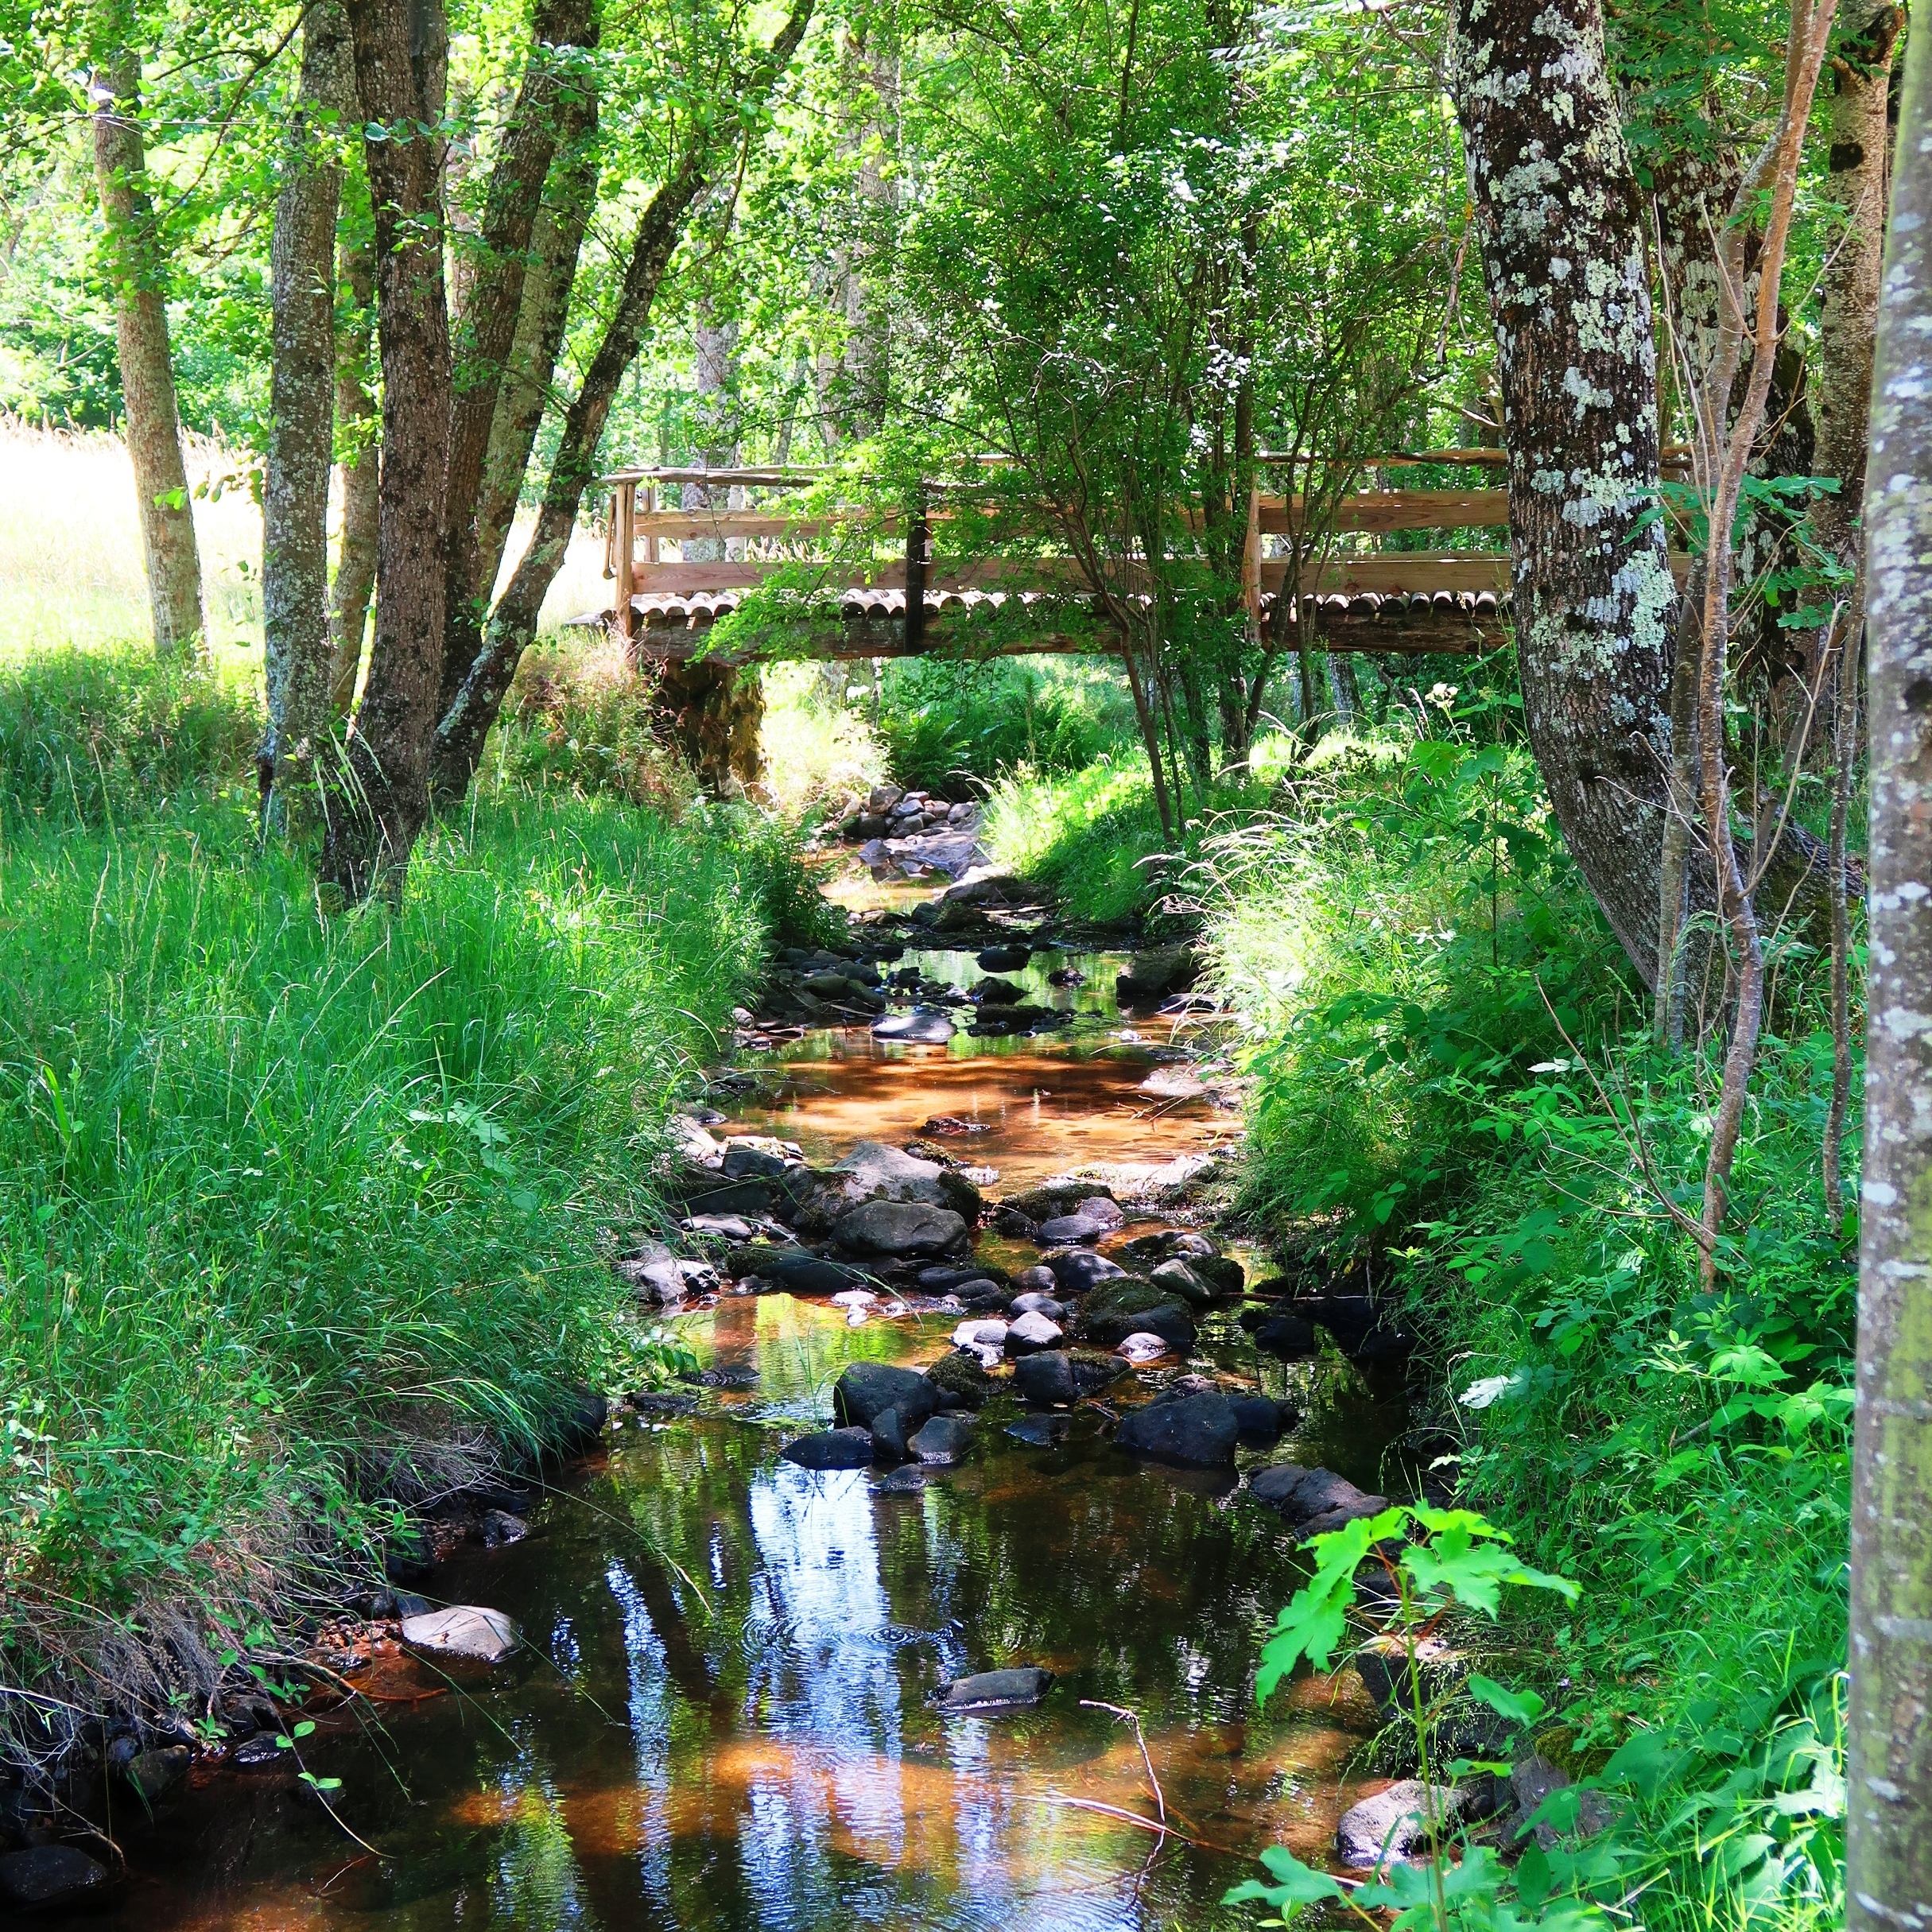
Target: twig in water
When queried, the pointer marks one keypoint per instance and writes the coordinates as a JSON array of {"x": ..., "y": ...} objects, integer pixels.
[
  {"x": 1123, "y": 1715},
  {"x": 1134, "y": 1818}
]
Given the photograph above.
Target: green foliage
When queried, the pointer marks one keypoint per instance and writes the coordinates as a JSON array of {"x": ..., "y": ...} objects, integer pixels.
[
  {"x": 98, "y": 738},
  {"x": 1403, "y": 938},
  {"x": 941, "y": 720},
  {"x": 303, "y": 1212},
  {"x": 585, "y": 728},
  {"x": 1449, "y": 1561}
]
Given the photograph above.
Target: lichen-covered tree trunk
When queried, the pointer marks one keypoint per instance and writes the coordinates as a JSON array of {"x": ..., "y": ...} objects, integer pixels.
[
  {"x": 465, "y": 725},
  {"x": 362, "y": 473},
  {"x": 1848, "y": 290},
  {"x": 377, "y": 805},
  {"x": 1889, "y": 1838},
  {"x": 138, "y": 273},
  {"x": 529, "y": 374},
  {"x": 552, "y": 104},
  {"x": 301, "y": 422},
  {"x": 1562, "y": 229}
]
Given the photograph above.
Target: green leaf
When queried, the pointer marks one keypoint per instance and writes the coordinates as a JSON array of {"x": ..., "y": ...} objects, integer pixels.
[
  {"x": 1295, "y": 1883},
  {"x": 1522, "y": 1707}
]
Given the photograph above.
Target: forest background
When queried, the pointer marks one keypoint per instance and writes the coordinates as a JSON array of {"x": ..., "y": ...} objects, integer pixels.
[{"x": 1153, "y": 256}]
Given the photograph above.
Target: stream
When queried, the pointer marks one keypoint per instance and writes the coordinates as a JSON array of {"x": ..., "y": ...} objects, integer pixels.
[{"x": 723, "y": 1714}]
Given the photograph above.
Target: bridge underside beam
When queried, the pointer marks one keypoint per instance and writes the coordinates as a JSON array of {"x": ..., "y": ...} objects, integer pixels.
[{"x": 1385, "y": 626}]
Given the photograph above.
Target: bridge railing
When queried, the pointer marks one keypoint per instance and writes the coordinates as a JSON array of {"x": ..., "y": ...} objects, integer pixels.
[{"x": 1365, "y": 599}]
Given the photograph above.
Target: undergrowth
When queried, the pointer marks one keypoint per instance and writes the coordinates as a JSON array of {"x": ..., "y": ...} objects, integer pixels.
[
  {"x": 303, "y": 1216},
  {"x": 1449, "y": 1073}
]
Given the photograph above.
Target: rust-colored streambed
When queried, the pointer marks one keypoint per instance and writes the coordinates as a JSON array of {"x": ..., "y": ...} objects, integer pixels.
[{"x": 723, "y": 1717}]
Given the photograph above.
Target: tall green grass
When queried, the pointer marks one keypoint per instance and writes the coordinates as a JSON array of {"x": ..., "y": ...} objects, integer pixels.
[
  {"x": 297, "y": 1212},
  {"x": 1449, "y": 1073}
]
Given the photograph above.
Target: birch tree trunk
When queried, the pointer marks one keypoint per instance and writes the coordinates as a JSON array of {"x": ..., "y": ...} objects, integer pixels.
[
  {"x": 139, "y": 274},
  {"x": 362, "y": 471},
  {"x": 301, "y": 422},
  {"x": 1558, "y": 215},
  {"x": 1888, "y": 1831},
  {"x": 380, "y": 800}
]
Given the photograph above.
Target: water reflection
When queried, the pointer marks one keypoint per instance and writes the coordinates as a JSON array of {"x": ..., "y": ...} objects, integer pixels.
[{"x": 725, "y": 1721}]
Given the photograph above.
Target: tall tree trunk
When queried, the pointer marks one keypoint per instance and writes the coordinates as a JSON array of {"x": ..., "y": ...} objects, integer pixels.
[
  {"x": 1888, "y": 1830},
  {"x": 382, "y": 798},
  {"x": 139, "y": 274},
  {"x": 555, "y": 243},
  {"x": 302, "y": 422},
  {"x": 1558, "y": 214},
  {"x": 715, "y": 345},
  {"x": 552, "y": 105},
  {"x": 1848, "y": 319},
  {"x": 361, "y": 471},
  {"x": 465, "y": 725},
  {"x": 853, "y": 382}
]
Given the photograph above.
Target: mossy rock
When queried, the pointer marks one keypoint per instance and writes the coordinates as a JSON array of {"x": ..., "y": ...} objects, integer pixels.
[
  {"x": 960, "y": 1375},
  {"x": 1127, "y": 1294}
]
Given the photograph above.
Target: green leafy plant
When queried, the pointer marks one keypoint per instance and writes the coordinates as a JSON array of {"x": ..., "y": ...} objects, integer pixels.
[{"x": 1448, "y": 1560}]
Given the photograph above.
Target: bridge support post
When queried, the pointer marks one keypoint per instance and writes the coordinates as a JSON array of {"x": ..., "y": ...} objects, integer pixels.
[
  {"x": 918, "y": 539},
  {"x": 624, "y": 519},
  {"x": 715, "y": 712}
]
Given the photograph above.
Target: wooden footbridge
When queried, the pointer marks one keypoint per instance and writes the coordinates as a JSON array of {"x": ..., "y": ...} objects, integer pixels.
[{"x": 895, "y": 598}]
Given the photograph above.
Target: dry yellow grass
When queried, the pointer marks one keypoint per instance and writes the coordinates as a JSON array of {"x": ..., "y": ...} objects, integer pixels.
[{"x": 70, "y": 564}]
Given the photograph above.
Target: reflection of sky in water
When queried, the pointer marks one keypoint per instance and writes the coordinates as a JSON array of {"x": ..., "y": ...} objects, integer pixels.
[{"x": 650, "y": 1705}]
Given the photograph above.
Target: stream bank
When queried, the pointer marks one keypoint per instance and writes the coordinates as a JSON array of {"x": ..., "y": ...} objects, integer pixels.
[{"x": 727, "y": 1704}]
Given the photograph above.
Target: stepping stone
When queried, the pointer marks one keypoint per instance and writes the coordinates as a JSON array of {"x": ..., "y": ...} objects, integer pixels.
[
  {"x": 1313, "y": 1501},
  {"x": 906, "y": 1482},
  {"x": 467, "y": 1631},
  {"x": 1031, "y": 1332},
  {"x": 945, "y": 1439},
  {"x": 1193, "y": 1432},
  {"x": 832, "y": 1448},
  {"x": 1017, "y": 1689}
]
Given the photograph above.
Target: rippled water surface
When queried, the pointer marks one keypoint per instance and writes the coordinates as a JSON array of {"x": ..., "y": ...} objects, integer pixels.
[{"x": 723, "y": 1719}]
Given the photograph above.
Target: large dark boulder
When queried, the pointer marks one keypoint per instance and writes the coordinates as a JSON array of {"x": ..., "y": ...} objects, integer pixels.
[
  {"x": 1313, "y": 1501},
  {"x": 867, "y": 1390},
  {"x": 1260, "y": 1419},
  {"x": 1154, "y": 976},
  {"x": 1194, "y": 1432},
  {"x": 960, "y": 1380},
  {"x": 1075, "y": 1270},
  {"x": 1005, "y": 959},
  {"x": 834, "y": 1449},
  {"x": 49, "y": 1878},
  {"x": 899, "y": 1228},
  {"x": 943, "y": 1440},
  {"x": 793, "y": 1269},
  {"x": 1058, "y": 1377}
]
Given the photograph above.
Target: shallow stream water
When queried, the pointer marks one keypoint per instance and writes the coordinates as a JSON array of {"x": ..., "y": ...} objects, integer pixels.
[{"x": 721, "y": 1717}]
